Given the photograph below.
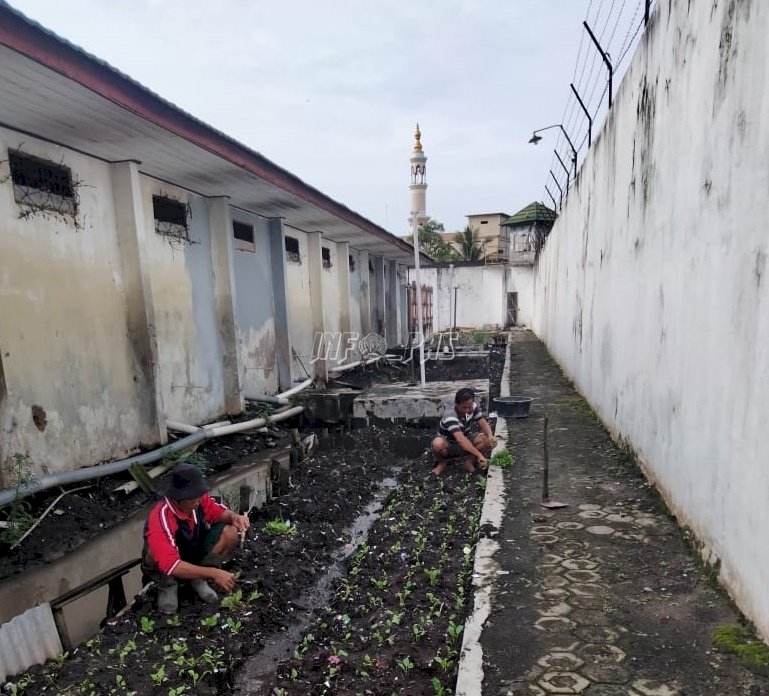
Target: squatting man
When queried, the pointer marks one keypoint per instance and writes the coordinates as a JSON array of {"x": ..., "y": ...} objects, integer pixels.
[
  {"x": 187, "y": 536},
  {"x": 463, "y": 433}
]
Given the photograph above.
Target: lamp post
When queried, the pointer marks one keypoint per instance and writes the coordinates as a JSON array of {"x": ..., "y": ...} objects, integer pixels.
[
  {"x": 534, "y": 140},
  {"x": 418, "y": 296}
]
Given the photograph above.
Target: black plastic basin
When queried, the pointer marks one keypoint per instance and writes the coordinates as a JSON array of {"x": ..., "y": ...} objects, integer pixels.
[{"x": 513, "y": 406}]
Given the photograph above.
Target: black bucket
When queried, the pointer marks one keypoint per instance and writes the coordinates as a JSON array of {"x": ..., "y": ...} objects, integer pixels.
[{"x": 513, "y": 406}]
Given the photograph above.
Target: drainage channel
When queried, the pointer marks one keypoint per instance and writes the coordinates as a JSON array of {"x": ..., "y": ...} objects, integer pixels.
[{"x": 259, "y": 667}]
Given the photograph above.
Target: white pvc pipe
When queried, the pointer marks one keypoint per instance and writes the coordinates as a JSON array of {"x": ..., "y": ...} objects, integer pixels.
[
  {"x": 296, "y": 389},
  {"x": 189, "y": 429},
  {"x": 349, "y": 366}
]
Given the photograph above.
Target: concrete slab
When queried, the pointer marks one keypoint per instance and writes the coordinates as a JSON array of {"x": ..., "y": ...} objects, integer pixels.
[{"x": 398, "y": 401}]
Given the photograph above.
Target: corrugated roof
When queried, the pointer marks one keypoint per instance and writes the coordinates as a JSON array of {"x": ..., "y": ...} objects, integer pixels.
[
  {"x": 29, "y": 639},
  {"x": 534, "y": 212}
]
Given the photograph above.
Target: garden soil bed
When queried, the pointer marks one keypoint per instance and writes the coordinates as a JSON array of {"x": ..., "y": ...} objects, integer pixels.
[{"x": 144, "y": 653}]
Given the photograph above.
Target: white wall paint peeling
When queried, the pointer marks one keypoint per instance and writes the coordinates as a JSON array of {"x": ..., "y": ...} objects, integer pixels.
[
  {"x": 652, "y": 290},
  {"x": 63, "y": 324}
]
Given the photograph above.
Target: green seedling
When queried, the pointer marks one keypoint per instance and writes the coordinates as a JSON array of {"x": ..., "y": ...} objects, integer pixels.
[
  {"x": 254, "y": 596},
  {"x": 234, "y": 601},
  {"x": 210, "y": 621},
  {"x": 438, "y": 688},
  {"x": 418, "y": 631},
  {"x": 159, "y": 676},
  {"x": 234, "y": 626},
  {"x": 454, "y": 630},
  {"x": 280, "y": 528},
  {"x": 379, "y": 584},
  {"x": 405, "y": 664},
  {"x": 502, "y": 458},
  {"x": 148, "y": 625},
  {"x": 444, "y": 663},
  {"x": 174, "y": 621},
  {"x": 433, "y": 575}
]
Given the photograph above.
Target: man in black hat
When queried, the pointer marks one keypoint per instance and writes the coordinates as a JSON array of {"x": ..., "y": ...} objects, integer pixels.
[{"x": 187, "y": 536}]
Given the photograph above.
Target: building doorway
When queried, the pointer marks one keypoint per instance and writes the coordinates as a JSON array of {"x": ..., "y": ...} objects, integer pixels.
[{"x": 512, "y": 309}]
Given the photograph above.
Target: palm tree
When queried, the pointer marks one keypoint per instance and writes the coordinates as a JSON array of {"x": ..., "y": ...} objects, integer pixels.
[{"x": 471, "y": 247}]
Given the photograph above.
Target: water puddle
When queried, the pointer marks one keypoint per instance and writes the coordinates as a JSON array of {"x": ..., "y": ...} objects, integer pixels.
[{"x": 252, "y": 676}]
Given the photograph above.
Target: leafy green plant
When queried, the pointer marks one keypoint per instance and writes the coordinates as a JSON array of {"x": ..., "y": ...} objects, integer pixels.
[
  {"x": 454, "y": 630},
  {"x": 196, "y": 458},
  {"x": 233, "y": 625},
  {"x": 438, "y": 688},
  {"x": 233, "y": 601},
  {"x": 405, "y": 664},
  {"x": 280, "y": 528},
  {"x": 379, "y": 584},
  {"x": 478, "y": 337},
  {"x": 433, "y": 575},
  {"x": 159, "y": 675},
  {"x": 148, "y": 625},
  {"x": 173, "y": 621},
  {"x": 20, "y": 686},
  {"x": 18, "y": 520},
  {"x": 210, "y": 621},
  {"x": 502, "y": 458}
]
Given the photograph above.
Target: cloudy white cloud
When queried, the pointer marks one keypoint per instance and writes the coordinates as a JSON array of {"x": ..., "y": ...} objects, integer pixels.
[{"x": 331, "y": 90}]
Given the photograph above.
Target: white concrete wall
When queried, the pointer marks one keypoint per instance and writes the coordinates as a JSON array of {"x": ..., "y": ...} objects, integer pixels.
[
  {"x": 299, "y": 307},
  {"x": 481, "y": 297},
  {"x": 181, "y": 274},
  {"x": 355, "y": 293},
  {"x": 331, "y": 310},
  {"x": 63, "y": 326},
  {"x": 652, "y": 291},
  {"x": 254, "y": 310}
]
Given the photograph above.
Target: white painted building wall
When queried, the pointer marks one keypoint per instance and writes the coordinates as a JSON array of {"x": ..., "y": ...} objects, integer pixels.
[
  {"x": 181, "y": 275},
  {"x": 652, "y": 290},
  {"x": 63, "y": 325},
  {"x": 355, "y": 293},
  {"x": 299, "y": 307},
  {"x": 331, "y": 309}
]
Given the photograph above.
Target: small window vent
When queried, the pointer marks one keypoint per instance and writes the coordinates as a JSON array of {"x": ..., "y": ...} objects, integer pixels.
[
  {"x": 292, "y": 250},
  {"x": 41, "y": 185},
  {"x": 171, "y": 218},
  {"x": 325, "y": 254},
  {"x": 244, "y": 236}
]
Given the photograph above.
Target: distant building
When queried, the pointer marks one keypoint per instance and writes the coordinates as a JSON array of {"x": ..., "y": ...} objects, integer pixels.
[
  {"x": 524, "y": 233},
  {"x": 489, "y": 227}
]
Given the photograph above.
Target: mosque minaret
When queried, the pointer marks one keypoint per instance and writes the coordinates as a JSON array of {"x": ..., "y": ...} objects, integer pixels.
[{"x": 418, "y": 185}]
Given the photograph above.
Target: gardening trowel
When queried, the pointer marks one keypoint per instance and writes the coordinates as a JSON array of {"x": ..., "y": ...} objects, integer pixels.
[{"x": 546, "y": 502}]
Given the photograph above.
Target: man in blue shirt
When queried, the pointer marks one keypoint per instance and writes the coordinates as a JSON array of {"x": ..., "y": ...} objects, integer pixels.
[{"x": 463, "y": 433}]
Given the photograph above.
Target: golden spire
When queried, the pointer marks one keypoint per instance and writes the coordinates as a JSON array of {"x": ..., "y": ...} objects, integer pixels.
[{"x": 417, "y": 140}]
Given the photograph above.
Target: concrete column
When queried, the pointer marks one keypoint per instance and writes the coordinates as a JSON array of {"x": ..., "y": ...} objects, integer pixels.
[
  {"x": 391, "y": 305},
  {"x": 378, "y": 297},
  {"x": 315, "y": 269},
  {"x": 140, "y": 311},
  {"x": 343, "y": 275},
  {"x": 224, "y": 296},
  {"x": 403, "y": 309},
  {"x": 365, "y": 293},
  {"x": 280, "y": 302}
]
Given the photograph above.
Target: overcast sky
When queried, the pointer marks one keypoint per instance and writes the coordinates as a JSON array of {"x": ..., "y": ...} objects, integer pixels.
[{"x": 331, "y": 89}]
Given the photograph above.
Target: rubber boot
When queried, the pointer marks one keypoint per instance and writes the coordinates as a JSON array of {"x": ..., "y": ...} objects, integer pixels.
[
  {"x": 204, "y": 591},
  {"x": 168, "y": 595}
]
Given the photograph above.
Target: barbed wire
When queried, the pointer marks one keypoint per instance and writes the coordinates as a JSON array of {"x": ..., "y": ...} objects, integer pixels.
[{"x": 590, "y": 78}]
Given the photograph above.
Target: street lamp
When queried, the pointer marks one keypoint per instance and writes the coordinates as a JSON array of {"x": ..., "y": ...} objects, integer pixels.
[{"x": 534, "y": 140}]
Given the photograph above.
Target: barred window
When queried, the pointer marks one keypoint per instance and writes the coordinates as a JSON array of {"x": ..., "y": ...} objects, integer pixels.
[
  {"x": 171, "y": 218},
  {"x": 41, "y": 184}
]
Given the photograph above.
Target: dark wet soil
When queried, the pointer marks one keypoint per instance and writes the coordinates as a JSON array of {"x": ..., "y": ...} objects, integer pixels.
[
  {"x": 143, "y": 653},
  {"x": 80, "y": 516}
]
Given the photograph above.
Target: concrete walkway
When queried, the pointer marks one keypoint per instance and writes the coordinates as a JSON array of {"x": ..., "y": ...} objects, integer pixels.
[{"x": 602, "y": 598}]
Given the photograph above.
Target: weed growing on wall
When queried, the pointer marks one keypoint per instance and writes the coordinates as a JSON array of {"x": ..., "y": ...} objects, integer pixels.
[{"x": 18, "y": 520}]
